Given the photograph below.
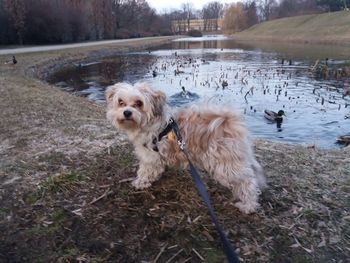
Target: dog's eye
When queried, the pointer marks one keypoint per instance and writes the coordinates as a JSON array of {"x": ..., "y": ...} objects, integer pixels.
[
  {"x": 138, "y": 103},
  {"x": 121, "y": 103}
]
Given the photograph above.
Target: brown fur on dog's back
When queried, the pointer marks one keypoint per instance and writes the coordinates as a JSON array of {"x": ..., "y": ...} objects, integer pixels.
[{"x": 206, "y": 128}]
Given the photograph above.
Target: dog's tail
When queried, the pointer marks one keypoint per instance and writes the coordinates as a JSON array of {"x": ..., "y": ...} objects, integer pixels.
[
  {"x": 226, "y": 117},
  {"x": 214, "y": 124}
]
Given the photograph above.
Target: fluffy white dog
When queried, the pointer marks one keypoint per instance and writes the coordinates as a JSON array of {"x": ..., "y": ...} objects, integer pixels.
[{"x": 215, "y": 138}]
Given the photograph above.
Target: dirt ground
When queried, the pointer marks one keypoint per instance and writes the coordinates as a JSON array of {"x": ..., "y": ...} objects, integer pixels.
[{"x": 65, "y": 193}]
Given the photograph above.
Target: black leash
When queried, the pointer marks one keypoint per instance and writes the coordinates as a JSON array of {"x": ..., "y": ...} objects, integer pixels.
[{"x": 230, "y": 253}]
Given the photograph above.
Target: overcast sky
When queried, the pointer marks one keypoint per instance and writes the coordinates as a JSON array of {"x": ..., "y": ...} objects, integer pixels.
[{"x": 160, "y": 5}]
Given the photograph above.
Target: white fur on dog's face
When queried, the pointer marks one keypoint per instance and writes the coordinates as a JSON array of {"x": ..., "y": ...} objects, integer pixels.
[{"x": 133, "y": 107}]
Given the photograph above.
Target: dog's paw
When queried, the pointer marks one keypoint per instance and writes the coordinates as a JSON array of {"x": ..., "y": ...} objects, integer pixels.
[
  {"x": 141, "y": 183},
  {"x": 247, "y": 208}
]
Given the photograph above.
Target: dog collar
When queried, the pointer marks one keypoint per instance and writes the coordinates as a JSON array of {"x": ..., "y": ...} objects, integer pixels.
[{"x": 167, "y": 132}]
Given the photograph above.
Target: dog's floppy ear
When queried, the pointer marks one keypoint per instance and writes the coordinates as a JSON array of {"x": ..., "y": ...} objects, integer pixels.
[
  {"x": 157, "y": 98},
  {"x": 110, "y": 91}
]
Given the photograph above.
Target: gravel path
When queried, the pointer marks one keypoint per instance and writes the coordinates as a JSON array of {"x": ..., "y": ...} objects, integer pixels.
[{"x": 75, "y": 45}]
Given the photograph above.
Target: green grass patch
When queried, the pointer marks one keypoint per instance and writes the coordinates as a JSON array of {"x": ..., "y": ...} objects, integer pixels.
[
  {"x": 4, "y": 212},
  {"x": 31, "y": 198},
  {"x": 59, "y": 216},
  {"x": 311, "y": 215},
  {"x": 67, "y": 255},
  {"x": 55, "y": 158},
  {"x": 190, "y": 240},
  {"x": 62, "y": 182},
  {"x": 57, "y": 220},
  {"x": 124, "y": 156}
]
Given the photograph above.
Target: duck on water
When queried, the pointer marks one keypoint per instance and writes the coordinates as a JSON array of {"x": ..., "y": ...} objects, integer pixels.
[{"x": 275, "y": 117}]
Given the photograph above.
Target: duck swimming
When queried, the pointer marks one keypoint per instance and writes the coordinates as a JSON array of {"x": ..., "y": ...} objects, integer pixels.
[
  {"x": 344, "y": 139},
  {"x": 224, "y": 84},
  {"x": 184, "y": 92},
  {"x": 273, "y": 116},
  {"x": 154, "y": 73}
]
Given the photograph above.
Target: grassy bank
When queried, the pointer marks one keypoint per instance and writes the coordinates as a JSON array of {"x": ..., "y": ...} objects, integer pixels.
[
  {"x": 65, "y": 193},
  {"x": 327, "y": 28}
]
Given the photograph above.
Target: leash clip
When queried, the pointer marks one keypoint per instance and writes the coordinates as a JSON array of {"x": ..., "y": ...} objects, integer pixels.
[{"x": 181, "y": 144}]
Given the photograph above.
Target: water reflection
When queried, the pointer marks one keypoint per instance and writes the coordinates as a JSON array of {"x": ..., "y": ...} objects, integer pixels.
[{"x": 227, "y": 72}]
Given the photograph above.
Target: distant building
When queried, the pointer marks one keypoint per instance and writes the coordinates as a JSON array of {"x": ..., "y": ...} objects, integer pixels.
[{"x": 181, "y": 26}]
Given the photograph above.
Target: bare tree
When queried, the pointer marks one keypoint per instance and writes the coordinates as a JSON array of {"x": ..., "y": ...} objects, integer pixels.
[
  {"x": 288, "y": 8},
  {"x": 7, "y": 31},
  {"x": 266, "y": 7},
  {"x": 102, "y": 19},
  {"x": 16, "y": 9},
  {"x": 188, "y": 10},
  {"x": 76, "y": 19},
  {"x": 176, "y": 17},
  {"x": 211, "y": 13},
  {"x": 235, "y": 19},
  {"x": 333, "y": 5},
  {"x": 146, "y": 17},
  {"x": 251, "y": 11},
  {"x": 117, "y": 14}
]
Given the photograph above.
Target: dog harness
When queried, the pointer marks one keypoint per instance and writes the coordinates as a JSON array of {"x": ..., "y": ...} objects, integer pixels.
[{"x": 168, "y": 133}]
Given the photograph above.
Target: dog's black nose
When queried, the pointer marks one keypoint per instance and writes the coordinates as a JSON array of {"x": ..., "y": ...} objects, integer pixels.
[{"x": 127, "y": 113}]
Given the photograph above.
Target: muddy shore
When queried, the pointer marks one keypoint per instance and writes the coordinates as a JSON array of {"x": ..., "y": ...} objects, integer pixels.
[{"x": 65, "y": 193}]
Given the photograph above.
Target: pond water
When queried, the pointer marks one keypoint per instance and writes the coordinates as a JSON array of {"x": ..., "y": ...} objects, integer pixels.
[{"x": 220, "y": 70}]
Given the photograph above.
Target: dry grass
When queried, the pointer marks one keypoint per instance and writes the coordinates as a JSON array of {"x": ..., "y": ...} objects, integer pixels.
[
  {"x": 65, "y": 190},
  {"x": 327, "y": 28},
  {"x": 90, "y": 211}
]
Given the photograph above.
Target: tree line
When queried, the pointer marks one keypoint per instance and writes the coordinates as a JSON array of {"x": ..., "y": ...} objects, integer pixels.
[{"x": 64, "y": 21}]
